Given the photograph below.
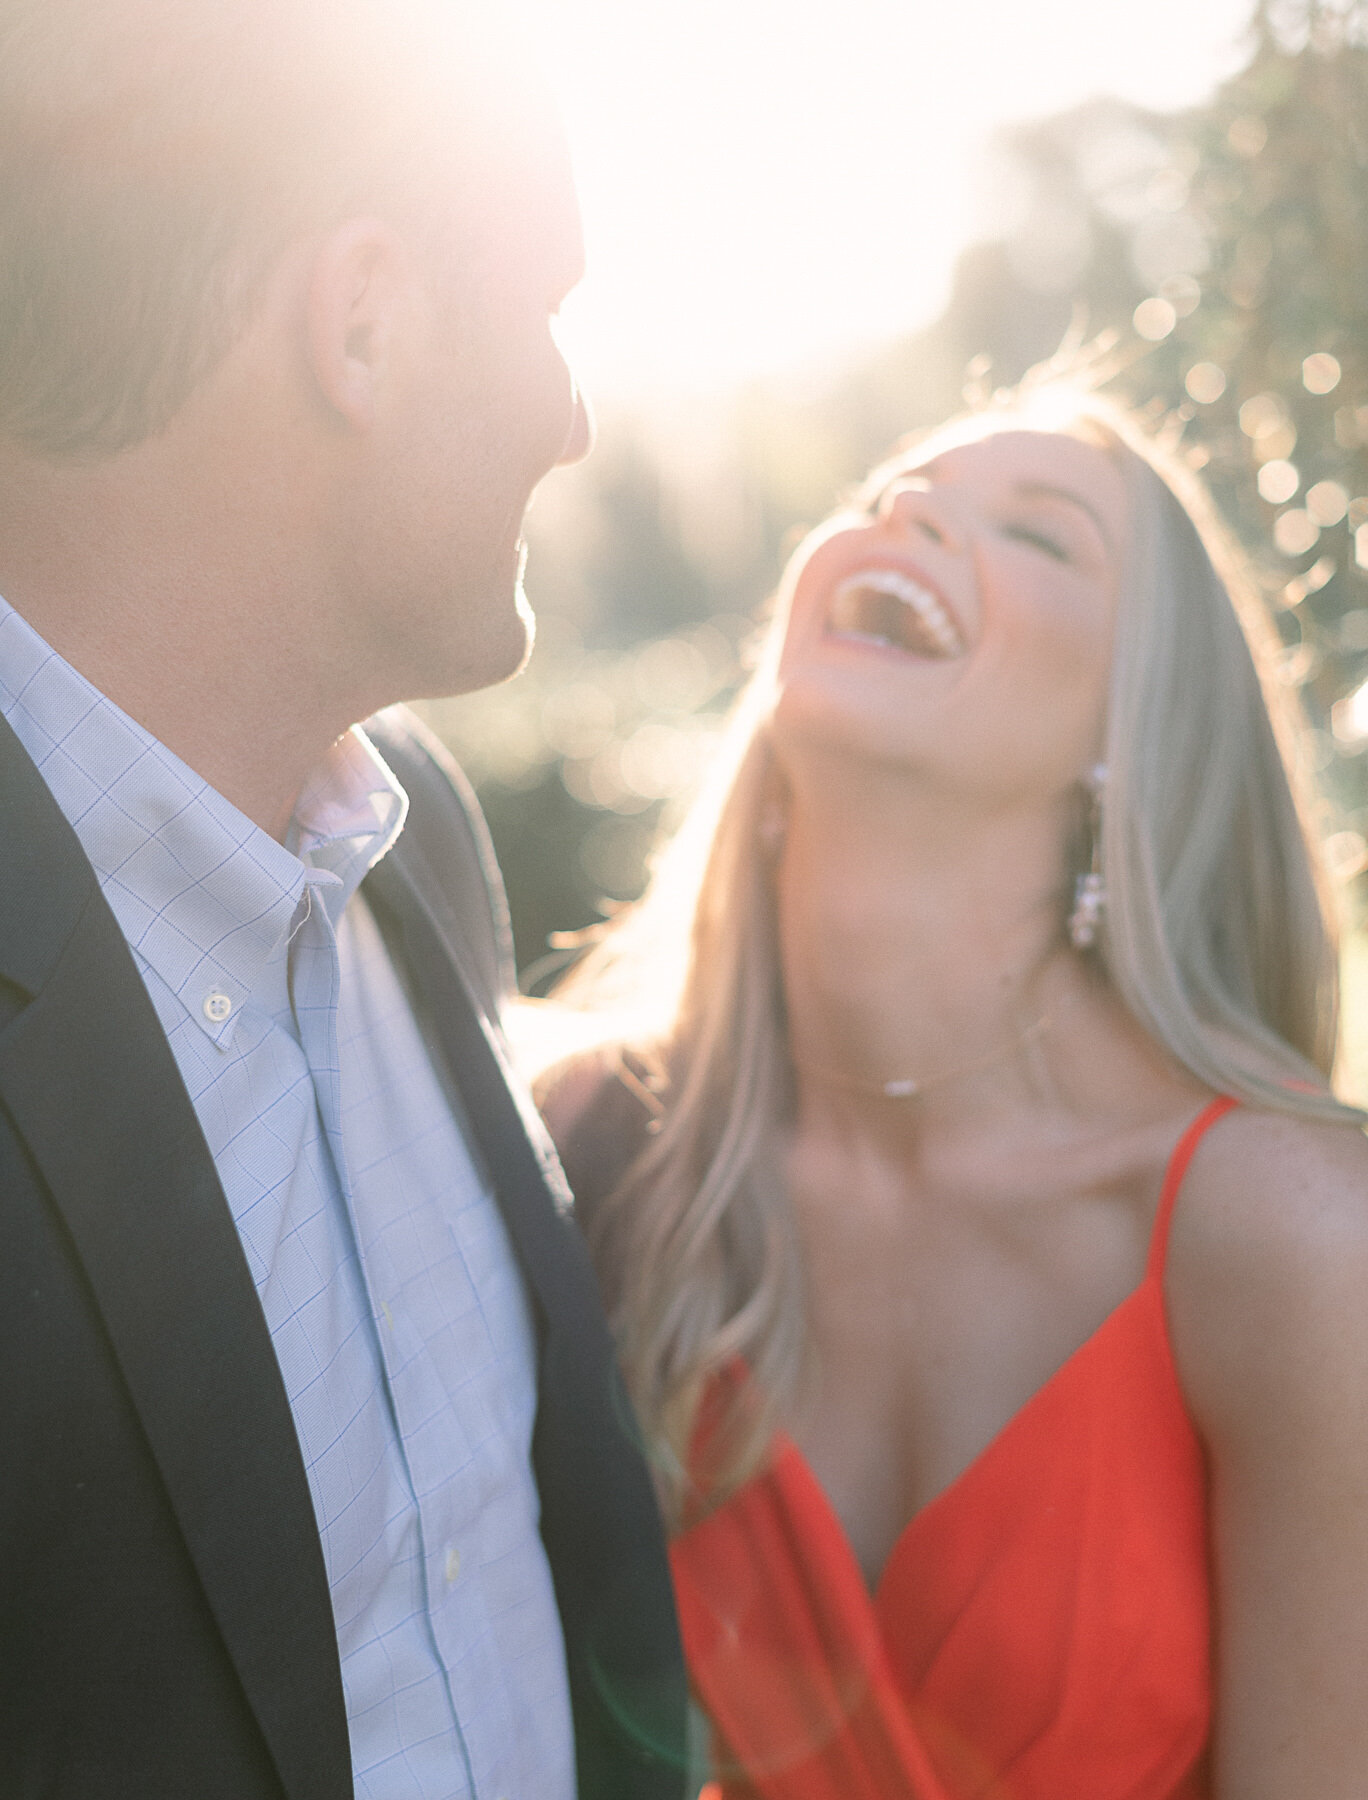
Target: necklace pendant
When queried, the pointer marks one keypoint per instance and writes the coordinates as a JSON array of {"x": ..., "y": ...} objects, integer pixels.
[{"x": 899, "y": 1090}]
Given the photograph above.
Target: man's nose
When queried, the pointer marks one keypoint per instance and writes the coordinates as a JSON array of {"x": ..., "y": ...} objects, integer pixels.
[
  {"x": 914, "y": 504},
  {"x": 579, "y": 439}
]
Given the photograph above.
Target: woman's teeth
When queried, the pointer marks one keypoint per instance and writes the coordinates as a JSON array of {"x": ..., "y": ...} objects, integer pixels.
[{"x": 888, "y": 608}]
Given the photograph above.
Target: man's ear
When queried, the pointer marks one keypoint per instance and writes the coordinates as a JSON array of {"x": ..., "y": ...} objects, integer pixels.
[{"x": 356, "y": 303}]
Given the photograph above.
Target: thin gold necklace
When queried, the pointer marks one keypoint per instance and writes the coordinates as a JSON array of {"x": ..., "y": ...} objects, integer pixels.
[{"x": 907, "y": 1087}]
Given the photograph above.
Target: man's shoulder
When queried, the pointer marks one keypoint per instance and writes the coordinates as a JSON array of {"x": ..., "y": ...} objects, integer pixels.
[{"x": 425, "y": 766}]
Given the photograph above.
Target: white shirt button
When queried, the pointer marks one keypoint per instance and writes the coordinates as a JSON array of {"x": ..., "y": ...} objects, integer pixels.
[
  {"x": 453, "y": 1563},
  {"x": 217, "y": 1007}
]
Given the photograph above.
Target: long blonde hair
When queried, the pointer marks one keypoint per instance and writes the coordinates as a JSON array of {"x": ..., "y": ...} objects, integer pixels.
[{"x": 1218, "y": 936}]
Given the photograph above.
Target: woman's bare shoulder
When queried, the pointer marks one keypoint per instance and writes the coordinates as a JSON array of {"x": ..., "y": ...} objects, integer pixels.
[
  {"x": 1267, "y": 1281},
  {"x": 600, "y": 1106},
  {"x": 569, "y": 1087},
  {"x": 1270, "y": 1184}
]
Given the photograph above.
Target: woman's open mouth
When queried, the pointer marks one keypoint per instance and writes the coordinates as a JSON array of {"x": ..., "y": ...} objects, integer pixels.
[{"x": 889, "y": 609}]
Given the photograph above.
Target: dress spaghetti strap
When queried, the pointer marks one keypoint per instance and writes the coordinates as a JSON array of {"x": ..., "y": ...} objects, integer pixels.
[{"x": 1173, "y": 1179}]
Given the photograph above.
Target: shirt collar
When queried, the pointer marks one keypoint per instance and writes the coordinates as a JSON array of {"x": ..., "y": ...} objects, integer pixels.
[
  {"x": 347, "y": 816},
  {"x": 203, "y": 896}
]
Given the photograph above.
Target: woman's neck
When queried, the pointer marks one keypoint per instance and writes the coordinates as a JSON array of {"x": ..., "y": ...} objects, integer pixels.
[{"x": 921, "y": 945}]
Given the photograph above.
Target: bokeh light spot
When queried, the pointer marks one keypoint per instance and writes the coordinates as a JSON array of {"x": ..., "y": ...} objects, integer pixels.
[
  {"x": 1349, "y": 718},
  {"x": 1310, "y": 581},
  {"x": 1295, "y": 532},
  {"x": 1205, "y": 383},
  {"x": 1276, "y": 445},
  {"x": 1327, "y": 502},
  {"x": 1154, "y": 318},
  {"x": 1278, "y": 481},
  {"x": 1319, "y": 573},
  {"x": 1262, "y": 415},
  {"x": 1320, "y": 373}
]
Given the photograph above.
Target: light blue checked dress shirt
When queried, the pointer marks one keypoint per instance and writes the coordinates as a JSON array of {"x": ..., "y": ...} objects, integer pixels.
[{"x": 380, "y": 1258}]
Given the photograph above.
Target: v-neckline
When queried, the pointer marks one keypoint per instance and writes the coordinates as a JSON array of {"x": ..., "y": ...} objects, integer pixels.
[
  {"x": 1149, "y": 1288},
  {"x": 972, "y": 1471}
]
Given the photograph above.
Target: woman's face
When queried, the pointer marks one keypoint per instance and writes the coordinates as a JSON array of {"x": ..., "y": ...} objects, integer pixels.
[{"x": 962, "y": 626}]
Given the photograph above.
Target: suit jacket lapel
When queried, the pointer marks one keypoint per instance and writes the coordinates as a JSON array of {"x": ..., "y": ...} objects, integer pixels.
[
  {"x": 88, "y": 1077},
  {"x": 599, "y": 1518},
  {"x": 531, "y": 1190}
]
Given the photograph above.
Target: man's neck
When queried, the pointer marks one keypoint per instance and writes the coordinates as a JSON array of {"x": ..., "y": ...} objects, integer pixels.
[
  {"x": 211, "y": 705},
  {"x": 158, "y": 574}
]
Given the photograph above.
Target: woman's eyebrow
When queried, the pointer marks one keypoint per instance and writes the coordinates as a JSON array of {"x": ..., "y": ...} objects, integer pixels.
[{"x": 1047, "y": 490}]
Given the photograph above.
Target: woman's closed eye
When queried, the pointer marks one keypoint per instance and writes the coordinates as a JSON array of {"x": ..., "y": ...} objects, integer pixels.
[{"x": 1039, "y": 539}]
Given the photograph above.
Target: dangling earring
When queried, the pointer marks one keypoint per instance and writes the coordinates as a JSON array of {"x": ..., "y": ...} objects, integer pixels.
[{"x": 1090, "y": 889}]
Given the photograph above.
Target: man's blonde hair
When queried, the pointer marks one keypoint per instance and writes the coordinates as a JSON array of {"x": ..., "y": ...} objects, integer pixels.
[{"x": 157, "y": 156}]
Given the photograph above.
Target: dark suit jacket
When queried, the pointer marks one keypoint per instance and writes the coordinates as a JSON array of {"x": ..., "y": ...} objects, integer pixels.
[{"x": 165, "y": 1625}]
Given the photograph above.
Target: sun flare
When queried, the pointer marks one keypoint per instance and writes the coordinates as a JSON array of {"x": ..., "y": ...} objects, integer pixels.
[{"x": 767, "y": 186}]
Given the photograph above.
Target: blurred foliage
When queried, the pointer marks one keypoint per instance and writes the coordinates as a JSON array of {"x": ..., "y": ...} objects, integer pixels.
[{"x": 1227, "y": 249}]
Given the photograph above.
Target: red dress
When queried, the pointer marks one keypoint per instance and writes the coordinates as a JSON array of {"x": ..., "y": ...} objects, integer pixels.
[{"x": 1041, "y": 1629}]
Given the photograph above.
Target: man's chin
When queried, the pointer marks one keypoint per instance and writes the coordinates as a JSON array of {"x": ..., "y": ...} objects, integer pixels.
[
  {"x": 496, "y": 654},
  {"x": 522, "y": 637},
  {"x": 527, "y": 619}
]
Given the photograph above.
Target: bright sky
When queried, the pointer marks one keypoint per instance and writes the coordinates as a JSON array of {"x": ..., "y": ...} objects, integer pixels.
[{"x": 769, "y": 185}]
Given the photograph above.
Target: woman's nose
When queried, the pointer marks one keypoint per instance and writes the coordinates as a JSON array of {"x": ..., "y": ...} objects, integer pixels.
[{"x": 913, "y": 504}]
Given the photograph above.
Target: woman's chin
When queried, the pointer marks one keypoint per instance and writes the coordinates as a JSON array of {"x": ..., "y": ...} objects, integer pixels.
[
  {"x": 858, "y": 751},
  {"x": 813, "y": 712}
]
